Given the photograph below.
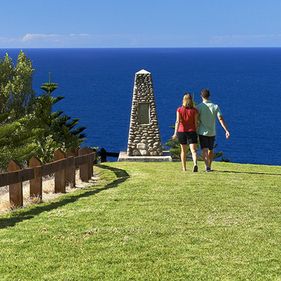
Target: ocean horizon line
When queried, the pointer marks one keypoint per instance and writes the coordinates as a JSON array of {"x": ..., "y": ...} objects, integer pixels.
[{"x": 137, "y": 48}]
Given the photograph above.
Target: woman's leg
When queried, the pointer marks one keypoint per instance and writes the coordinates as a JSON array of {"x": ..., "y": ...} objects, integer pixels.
[
  {"x": 183, "y": 156},
  {"x": 193, "y": 150}
]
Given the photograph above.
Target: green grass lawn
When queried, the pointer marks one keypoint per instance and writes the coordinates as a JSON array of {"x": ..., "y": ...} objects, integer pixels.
[{"x": 151, "y": 221}]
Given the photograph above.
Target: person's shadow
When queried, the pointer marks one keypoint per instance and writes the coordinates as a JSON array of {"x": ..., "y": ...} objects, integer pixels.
[
  {"x": 249, "y": 173},
  {"x": 17, "y": 217}
]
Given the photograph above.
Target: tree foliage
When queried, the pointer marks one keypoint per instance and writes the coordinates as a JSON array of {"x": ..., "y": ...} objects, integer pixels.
[
  {"x": 58, "y": 129},
  {"x": 16, "y": 86},
  {"x": 28, "y": 125}
]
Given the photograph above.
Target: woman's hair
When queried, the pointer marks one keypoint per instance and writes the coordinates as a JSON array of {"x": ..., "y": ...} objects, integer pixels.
[{"x": 187, "y": 100}]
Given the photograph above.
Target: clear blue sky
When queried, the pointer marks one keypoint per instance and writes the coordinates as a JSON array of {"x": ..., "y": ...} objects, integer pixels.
[{"x": 142, "y": 23}]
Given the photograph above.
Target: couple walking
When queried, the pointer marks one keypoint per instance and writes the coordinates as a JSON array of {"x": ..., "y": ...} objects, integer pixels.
[{"x": 202, "y": 120}]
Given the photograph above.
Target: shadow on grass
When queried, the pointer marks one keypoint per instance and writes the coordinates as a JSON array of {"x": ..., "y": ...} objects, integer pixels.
[
  {"x": 249, "y": 173},
  {"x": 20, "y": 216}
]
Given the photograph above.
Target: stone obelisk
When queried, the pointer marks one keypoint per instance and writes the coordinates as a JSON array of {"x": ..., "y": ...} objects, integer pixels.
[{"x": 144, "y": 136}]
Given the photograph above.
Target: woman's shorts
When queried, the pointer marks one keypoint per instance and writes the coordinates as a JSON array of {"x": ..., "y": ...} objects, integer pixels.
[{"x": 187, "y": 137}]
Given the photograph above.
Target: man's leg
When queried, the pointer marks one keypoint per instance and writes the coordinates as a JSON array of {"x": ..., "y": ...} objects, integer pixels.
[
  {"x": 183, "y": 156},
  {"x": 205, "y": 156},
  {"x": 204, "y": 148},
  {"x": 211, "y": 151},
  {"x": 210, "y": 157}
]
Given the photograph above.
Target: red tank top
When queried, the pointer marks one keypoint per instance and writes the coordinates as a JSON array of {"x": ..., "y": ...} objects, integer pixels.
[{"x": 187, "y": 119}]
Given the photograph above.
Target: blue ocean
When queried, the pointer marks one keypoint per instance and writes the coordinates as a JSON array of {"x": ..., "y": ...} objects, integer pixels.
[{"x": 98, "y": 84}]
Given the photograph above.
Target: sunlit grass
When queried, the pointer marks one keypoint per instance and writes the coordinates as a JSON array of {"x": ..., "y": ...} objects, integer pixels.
[{"x": 151, "y": 221}]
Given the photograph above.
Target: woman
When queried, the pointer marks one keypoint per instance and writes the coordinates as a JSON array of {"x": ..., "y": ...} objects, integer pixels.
[{"x": 185, "y": 130}]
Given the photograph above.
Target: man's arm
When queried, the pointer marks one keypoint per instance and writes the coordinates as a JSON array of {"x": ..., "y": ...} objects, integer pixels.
[{"x": 223, "y": 124}]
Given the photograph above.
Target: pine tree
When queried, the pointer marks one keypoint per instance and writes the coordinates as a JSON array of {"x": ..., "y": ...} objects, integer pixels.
[{"x": 59, "y": 130}]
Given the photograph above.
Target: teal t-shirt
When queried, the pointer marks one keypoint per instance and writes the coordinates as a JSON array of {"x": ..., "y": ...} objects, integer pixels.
[{"x": 208, "y": 112}]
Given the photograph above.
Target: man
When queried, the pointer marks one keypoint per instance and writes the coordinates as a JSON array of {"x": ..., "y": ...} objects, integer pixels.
[{"x": 208, "y": 112}]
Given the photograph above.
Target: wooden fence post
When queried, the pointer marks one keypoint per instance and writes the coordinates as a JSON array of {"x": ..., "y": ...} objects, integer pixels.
[
  {"x": 59, "y": 175},
  {"x": 91, "y": 163},
  {"x": 70, "y": 170},
  {"x": 15, "y": 190},
  {"x": 36, "y": 183},
  {"x": 84, "y": 168}
]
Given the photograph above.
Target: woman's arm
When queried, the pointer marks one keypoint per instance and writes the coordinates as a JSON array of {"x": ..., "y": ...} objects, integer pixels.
[{"x": 176, "y": 126}]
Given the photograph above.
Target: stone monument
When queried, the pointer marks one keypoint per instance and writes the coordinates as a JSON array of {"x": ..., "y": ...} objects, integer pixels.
[{"x": 144, "y": 142}]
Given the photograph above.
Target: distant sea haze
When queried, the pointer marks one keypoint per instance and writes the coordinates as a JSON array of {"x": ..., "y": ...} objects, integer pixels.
[{"x": 98, "y": 84}]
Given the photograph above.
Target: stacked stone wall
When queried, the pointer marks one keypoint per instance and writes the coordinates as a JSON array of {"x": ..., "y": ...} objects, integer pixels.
[{"x": 144, "y": 139}]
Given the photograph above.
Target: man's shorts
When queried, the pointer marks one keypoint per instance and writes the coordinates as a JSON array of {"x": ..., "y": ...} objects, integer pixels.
[
  {"x": 207, "y": 142},
  {"x": 187, "y": 137}
]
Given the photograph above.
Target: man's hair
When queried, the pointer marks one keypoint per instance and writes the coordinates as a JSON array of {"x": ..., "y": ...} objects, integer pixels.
[{"x": 205, "y": 93}]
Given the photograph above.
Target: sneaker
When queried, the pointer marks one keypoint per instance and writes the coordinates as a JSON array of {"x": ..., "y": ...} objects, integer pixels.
[
  {"x": 195, "y": 169},
  {"x": 208, "y": 169}
]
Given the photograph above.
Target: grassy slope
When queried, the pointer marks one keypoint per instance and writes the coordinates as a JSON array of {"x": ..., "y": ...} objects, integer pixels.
[{"x": 154, "y": 223}]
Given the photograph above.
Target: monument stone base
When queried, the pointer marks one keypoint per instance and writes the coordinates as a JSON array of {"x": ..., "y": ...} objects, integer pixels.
[{"x": 166, "y": 157}]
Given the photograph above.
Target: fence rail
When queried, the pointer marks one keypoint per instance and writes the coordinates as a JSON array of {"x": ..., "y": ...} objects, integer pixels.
[{"x": 64, "y": 167}]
